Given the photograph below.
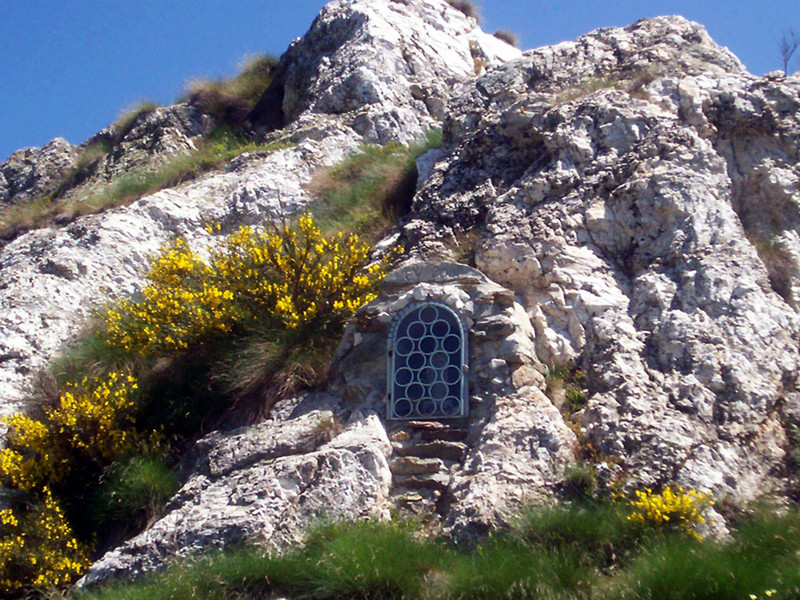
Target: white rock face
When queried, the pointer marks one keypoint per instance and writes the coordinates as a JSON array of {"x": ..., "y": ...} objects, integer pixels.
[
  {"x": 386, "y": 67},
  {"x": 637, "y": 198},
  {"x": 647, "y": 221},
  {"x": 263, "y": 484},
  {"x": 51, "y": 279}
]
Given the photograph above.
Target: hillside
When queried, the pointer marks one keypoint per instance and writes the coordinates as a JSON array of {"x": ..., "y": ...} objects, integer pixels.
[{"x": 608, "y": 233}]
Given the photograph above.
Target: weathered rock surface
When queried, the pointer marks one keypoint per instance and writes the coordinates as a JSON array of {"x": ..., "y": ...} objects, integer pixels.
[
  {"x": 50, "y": 279},
  {"x": 638, "y": 226},
  {"x": 33, "y": 172},
  {"x": 264, "y": 485},
  {"x": 518, "y": 443},
  {"x": 152, "y": 137},
  {"x": 637, "y": 199},
  {"x": 386, "y": 67}
]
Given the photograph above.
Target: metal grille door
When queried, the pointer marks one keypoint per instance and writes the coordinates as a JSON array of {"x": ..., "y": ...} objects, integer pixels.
[{"x": 427, "y": 364}]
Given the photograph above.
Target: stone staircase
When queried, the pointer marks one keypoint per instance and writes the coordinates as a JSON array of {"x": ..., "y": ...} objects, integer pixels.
[{"x": 424, "y": 454}]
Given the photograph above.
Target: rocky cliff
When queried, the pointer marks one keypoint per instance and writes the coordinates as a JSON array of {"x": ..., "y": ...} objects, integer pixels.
[{"x": 631, "y": 203}]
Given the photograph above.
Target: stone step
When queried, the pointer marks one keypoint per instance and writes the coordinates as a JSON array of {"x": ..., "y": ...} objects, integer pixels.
[
  {"x": 413, "y": 465},
  {"x": 431, "y": 481},
  {"x": 433, "y": 449}
]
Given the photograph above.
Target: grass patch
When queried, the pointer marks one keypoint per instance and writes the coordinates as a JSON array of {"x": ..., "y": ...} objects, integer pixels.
[
  {"x": 565, "y": 387},
  {"x": 128, "y": 118},
  {"x": 509, "y": 38},
  {"x": 212, "y": 154},
  {"x": 369, "y": 191},
  {"x": 132, "y": 494},
  {"x": 466, "y": 7},
  {"x": 231, "y": 100},
  {"x": 589, "y": 551}
]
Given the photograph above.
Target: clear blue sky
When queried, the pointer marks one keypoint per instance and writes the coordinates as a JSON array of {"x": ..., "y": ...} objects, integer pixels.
[{"x": 69, "y": 67}]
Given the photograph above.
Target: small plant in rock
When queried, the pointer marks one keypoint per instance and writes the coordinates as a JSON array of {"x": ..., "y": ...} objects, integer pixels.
[
  {"x": 565, "y": 387},
  {"x": 580, "y": 481},
  {"x": 135, "y": 492},
  {"x": 509, "y": 38},
  {"x": 682, "y": 509},
  {"x": 787, "y": 46}
]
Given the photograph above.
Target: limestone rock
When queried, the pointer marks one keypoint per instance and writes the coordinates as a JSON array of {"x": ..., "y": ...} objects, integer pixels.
[
  {"x": 648, "y": 227},
  {"x": 34, "y": 172},
  {"x": 632, "y": 204},
  {"x": 385, "y": 67},
  {"x": 264, "y": 485},
  {"x": 52, "y": 278}
]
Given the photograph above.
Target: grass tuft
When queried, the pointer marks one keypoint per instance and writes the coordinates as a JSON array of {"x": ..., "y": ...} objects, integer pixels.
[
  {"x": 369, "y": 191},
  {"x": 231, "y": 100},
  {"x": 509, "y": 38},
  {"x": 128, "y": 118},
  {"x": 133, "y": 494},
  {"x": 466, "y": 7}
]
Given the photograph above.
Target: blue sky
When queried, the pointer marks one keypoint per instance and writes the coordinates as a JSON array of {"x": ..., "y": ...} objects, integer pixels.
[{"x": 69, "y": 67}]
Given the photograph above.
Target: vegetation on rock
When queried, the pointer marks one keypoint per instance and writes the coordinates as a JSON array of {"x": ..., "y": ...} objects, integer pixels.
[
  {"x": 102, "y": 436},
  {"x": 575, "y": 550},
  {"x": 230, "y": 100}
]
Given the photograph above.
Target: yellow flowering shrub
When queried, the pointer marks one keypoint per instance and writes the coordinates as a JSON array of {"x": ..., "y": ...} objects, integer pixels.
[
  {"x": 682, "y": 509},
  {"x": 37, "y": 549},
  {"x": 92, "y": 421},
  {"x": 293, "y": 277}
]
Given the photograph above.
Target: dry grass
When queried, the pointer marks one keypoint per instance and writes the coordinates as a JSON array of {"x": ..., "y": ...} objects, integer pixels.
[
  {"x": 509, "y": 38},
  {"x": 128, "y": 118},
  {"x": 466, "y": 7},
  {"x": 231, "y": 100},
  {"x": 50, "y": 209}
]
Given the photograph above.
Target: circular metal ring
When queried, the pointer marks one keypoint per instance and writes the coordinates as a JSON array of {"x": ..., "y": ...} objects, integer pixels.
[
  {"x": 451, "y": 375},
  {"x": 428, "y": 344},
  {"x": 404, "y": 376},
  {"x": 404, "y": 346},
  {"x": 439, "y": 390},
  {"x": 428, "y": 314},
  {"x": 439, "y": 360},
  {"x": 451, "y": 406},
  {"x": 426, "y": 407},
  {"x": 403, "y": 408},
  {"x": 440, "y": 328},
  {"x": 416, "y": 330},
  {"x": 415, "y": 391},
  {"x": 451, "y": 344}
]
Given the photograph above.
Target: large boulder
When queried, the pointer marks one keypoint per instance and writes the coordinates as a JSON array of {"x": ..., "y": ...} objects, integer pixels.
[
  {"x": 386, "y": 68},
  {"x": 264, "y": 484},
  {"x": 32, "y": 173}
]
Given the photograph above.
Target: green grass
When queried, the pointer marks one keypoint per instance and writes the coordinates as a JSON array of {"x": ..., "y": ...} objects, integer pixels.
[
  {"x": 369, "y": 191},
  {"x": 212, "y": 154},
  {"x": 132, "y": 494},
  {"x": 568, "y": 552}
]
